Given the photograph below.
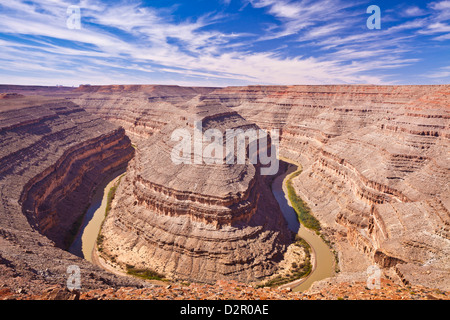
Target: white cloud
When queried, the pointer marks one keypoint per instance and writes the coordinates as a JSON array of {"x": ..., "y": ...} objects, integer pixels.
[
  {"x": 442, "y": 5},
  {"x": 296, "y": 16},
  {"x": 321, "y": 31},
  {"x": 437, "y": 27},
  {"x": 413, "y": 12},
  {"x": 443, "y": 72},
  {"x": 151, "y": 47},
  {"x": 441, "y": 10}
]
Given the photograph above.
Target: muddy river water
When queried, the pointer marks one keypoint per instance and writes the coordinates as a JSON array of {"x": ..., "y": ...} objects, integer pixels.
[
  {"x": 323, "y": 257},
  {"x": 86, "y": 238},
  {"x": 84, "y": 243}
]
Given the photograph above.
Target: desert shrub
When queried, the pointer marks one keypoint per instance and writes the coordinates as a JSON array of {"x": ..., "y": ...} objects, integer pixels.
[
  {"x": 147, "y": 274},
  {"x": 301, "y": 208}
]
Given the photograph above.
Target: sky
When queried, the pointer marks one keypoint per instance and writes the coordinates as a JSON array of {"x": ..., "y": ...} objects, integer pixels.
[{"x": 224, "y": 42}]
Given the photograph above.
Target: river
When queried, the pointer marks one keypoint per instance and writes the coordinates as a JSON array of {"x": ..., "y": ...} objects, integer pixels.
[
  {"x": 84, "y": 243},
  {"x": 323, "y": 257}
]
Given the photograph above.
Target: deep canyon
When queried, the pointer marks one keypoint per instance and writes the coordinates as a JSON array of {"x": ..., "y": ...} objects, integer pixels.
[{"x": 376, "y": 172}]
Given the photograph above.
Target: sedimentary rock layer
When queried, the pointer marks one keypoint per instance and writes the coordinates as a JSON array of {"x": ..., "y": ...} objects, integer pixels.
[
  {"x": 197, "y": 222},
  {"x": 141, "y": 110},
  {"x": 376, "y": 168},
  {"x": 52, "y": 155},
  {"x": 375, "y": 173}
]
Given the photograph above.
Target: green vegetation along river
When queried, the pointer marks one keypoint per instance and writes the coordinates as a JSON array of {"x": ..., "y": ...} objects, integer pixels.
[
  {"x": 86, "y": 238},
  {"x": 323, "y": 257}
]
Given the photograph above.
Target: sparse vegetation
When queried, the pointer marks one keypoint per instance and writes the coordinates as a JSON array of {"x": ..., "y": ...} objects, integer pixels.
[
  {"x": 109, "y": 199},
  {"x": 303, "y": 211},
  {"x": 143, "y": 273},
  {"x": 111, "y": 195},
  {"x": 297, "y": 271},
  {"x": 100, "y": 238}
]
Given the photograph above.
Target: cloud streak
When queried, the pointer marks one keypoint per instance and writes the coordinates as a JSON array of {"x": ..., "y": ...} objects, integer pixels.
[{"x": 142, "y": 44}]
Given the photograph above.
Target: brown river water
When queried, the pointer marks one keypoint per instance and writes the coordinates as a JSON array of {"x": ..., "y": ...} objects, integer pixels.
[
  {"x": 323, "y": 257},
  {"x": 84, "y": 243},
  {"x": 323, "y": 260}
]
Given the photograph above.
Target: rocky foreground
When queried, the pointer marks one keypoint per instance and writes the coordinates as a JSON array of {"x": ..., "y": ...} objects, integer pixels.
[{"x": 230, "y": 290}]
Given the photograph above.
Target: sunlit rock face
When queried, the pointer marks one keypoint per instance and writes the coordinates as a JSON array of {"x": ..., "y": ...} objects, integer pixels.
[
  {"x": 376, "y": 169},
  {"x": 375, "y": 160},
  {"x": 52, "y": 156},
  {"x": 375, "y": 173},
  {"x": 196, "y": 221}
]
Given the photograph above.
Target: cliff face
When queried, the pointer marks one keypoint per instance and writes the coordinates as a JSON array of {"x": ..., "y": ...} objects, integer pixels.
[
  {"x": 375, "y": 162},
  {"x": 48, "y": 199},
  {"x": 376, "y": 168},
  {"x": 195, "y": 222},
  {"x": 141, "y": 110},
  {"x": 52, "y": 155},
  {"x": 375, "y": 173}
]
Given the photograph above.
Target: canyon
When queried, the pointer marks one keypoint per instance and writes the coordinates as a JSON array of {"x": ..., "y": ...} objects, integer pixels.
[
  {"x": 52, "y": 156},
  {"x": 375, "y": 173}
]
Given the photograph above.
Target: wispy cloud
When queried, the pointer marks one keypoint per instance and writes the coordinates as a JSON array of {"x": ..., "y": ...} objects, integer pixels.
[
  {"x": 413, "y": 11},
  {"x": 439, "y": 22},
  {"x": 443, "y": 72},
  {"x": 137, "y": 43},
  {"x": 296, "y": 16},
  {"x": 317, "y": 32}
]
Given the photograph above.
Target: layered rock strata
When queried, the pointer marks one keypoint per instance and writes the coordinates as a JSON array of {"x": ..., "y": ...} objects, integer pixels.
[
  {"x": 376, "y": 169},
  {"x": 375, "y": 166},
  {"x": 198, "y": 222},
  {"x": 52, "y": 155},
  {"x": 141, "y": 110}
]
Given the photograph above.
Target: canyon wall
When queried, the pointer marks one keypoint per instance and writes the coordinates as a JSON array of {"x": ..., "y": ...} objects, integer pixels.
[
  {"x": 375, "y": 169},
  {"x": 191, "y": 222},
  {"x": 141, "y": 110},
  {"x": 52, "y": 155},
  {"x": 195, "y": 222},
  {"x": 375, "y": 173},
  {"x": 375, "y": 166}
]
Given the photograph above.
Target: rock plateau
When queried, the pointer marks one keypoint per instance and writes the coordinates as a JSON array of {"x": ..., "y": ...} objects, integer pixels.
[{"x": 375, "y": 173}]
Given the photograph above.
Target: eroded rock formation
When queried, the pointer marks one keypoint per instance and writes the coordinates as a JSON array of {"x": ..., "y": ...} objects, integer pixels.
[
  {"x": 196, "y": 222},
  {"x": 376, "y": 168},
  {"x": 52, "y": 155},
  {"x": 141, "y": 110},
  {"x": 375, "y": 173}
]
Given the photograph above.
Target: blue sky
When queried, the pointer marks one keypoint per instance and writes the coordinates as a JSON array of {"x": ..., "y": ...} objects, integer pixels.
[{"x": 224, "y": 42}]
